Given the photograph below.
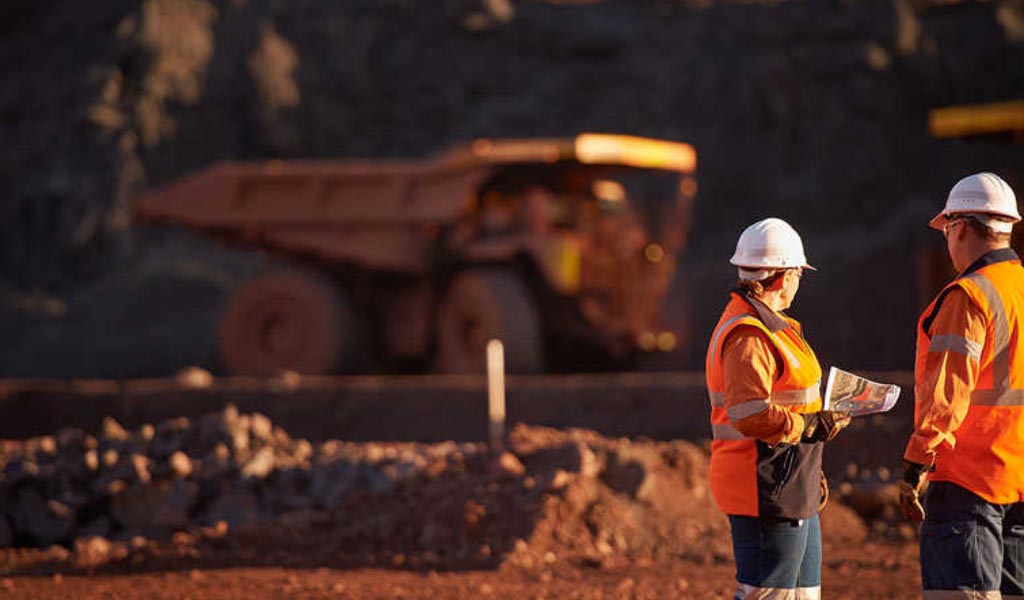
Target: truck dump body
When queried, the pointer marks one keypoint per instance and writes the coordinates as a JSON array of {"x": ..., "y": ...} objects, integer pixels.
[{"x": 379, "y": 215}]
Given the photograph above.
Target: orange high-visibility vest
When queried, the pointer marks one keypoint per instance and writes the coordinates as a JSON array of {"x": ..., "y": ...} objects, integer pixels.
[
  {"x": 739, "y": 464},
  {"x": 986, "y": 455}
]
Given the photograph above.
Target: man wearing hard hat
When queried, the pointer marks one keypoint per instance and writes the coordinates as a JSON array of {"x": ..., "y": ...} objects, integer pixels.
[
  {"x": 767, "y": 425},
  {"x": 968, "y": 439}
]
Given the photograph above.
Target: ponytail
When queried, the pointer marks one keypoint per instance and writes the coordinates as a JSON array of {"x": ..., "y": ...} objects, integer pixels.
[{"x": 757, "y": 288}]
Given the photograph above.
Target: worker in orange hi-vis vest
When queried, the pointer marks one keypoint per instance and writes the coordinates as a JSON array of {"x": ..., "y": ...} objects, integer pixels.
[
  {"x": 968, "y": 438},
  {"x": 767, "y": 425}
]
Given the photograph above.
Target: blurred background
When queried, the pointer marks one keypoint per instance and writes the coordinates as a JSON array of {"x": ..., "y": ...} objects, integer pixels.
[
  {"x": 283, "y": 188},
  {"x": 818, "y": 113}
]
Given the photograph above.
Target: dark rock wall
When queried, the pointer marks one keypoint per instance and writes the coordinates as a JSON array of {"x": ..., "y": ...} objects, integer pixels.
[{"x": 810, "y": 111}]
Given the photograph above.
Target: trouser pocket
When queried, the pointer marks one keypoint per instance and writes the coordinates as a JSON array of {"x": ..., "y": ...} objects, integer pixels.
[
  {"x": 952, "y": 557},
  {"x": 961, "y": 545},
  {"x": 1013, "y": 551}
]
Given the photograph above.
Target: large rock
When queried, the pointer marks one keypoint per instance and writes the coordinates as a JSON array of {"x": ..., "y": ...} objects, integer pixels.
[
  {"x": 180, "y": 464},
  {"x": 169, "y": 437},
  {"x": 226, "y": 427},
  {"x": 261, "y": 428},
  {"x": 111, "y": 431},
  {"x": 260, "y": 464},
  {"x": 332, "y": 482},
  {"x": 91, "y": 552},
  {"x": 41, "y": 521},
  {"x": 155, "y": 508}
]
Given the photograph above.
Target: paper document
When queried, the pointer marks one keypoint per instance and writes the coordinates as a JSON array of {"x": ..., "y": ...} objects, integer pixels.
[{"x": 856, "y": 396}]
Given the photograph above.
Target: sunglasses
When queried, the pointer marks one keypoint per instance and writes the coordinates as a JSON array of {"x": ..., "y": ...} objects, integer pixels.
[{"x": 949, "y": 227}]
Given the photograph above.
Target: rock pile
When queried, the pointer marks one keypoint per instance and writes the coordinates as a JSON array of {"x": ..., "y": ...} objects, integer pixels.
[
  {"x": 232, "y": 488},
  {"x": 236, "y": 483},
  {"x": 227, "y": 467}
]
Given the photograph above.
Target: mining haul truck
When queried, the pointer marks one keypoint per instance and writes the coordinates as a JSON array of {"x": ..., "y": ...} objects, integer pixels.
[{"x": 561, "y": 248}]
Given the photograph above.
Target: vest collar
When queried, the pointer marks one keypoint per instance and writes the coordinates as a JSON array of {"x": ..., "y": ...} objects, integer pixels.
[
  {"x": 991, "y": 258},
  {"x": 771, "y": 319}
]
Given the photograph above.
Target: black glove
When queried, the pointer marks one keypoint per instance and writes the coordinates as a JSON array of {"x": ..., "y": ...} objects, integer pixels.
[
  {"x": 824, "y": 425},
  {"x": 911, "y": 487}
]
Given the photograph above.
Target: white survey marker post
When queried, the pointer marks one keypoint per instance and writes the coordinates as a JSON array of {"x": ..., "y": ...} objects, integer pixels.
[{"x": 496, "y": 394}]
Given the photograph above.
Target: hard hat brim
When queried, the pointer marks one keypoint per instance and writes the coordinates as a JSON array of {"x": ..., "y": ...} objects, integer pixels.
[
  {"x": 806, "y": 265},
  {"x": 940, "y": 220}
]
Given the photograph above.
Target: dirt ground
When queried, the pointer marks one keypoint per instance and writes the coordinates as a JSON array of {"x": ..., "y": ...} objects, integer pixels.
[
  {"x": 560, "y": 514},
  {"x": 873, "y": 570}
]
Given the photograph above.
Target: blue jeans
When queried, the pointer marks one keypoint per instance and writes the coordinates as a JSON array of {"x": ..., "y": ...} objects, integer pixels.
[
  {"x": 970, "y": 544},
  {"x": 773, "y": 554}
]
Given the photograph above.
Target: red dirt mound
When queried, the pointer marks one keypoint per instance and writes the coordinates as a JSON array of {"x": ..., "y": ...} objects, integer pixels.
[{"x": 235, "y": 489}]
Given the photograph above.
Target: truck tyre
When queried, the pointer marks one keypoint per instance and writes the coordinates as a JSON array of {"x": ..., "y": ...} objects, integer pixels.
[
  {"x": 480, "y": 305},
  {"x": 286, "y": 320}
]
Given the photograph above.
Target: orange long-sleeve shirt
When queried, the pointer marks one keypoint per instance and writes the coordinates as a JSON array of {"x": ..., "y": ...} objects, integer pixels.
[
  {"x": 750, "y": 366},
  {"x": 949, "y": 374}
]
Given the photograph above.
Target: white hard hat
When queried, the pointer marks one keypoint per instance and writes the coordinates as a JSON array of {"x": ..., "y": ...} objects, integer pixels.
[
  {"x": 985, "y": 195},
  {"x": 767, "y": 245}
]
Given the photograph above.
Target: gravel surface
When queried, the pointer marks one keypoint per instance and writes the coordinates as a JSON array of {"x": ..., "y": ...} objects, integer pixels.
[{"x": 229, "y": 504}]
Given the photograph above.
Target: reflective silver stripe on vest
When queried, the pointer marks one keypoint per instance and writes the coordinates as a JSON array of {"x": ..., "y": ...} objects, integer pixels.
[
  {"x": 790, "y": 357},
  {"x": 807, "y": 395},
  {"x": 1000, "y": 394},
  {"x": 1000, "y": 332},
  {"x": 997, "y": 398},
  {"x": 718, "y": 334},
  {"x": 955, "y": 343},
  {"x": 796, "y": 397},
  {"x": 725, "y": 431},
  {"x": 746, "y": 409},
  {"x": 962, "y": 595}
]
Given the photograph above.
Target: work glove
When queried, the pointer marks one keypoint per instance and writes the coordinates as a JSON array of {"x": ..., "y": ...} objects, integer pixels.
[
  {"x": 824, "y": 425},
  {"x": 911, "y": 486}
]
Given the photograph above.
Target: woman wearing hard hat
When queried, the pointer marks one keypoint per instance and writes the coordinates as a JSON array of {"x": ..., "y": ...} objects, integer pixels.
[{"x": 766, "y": 420}]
